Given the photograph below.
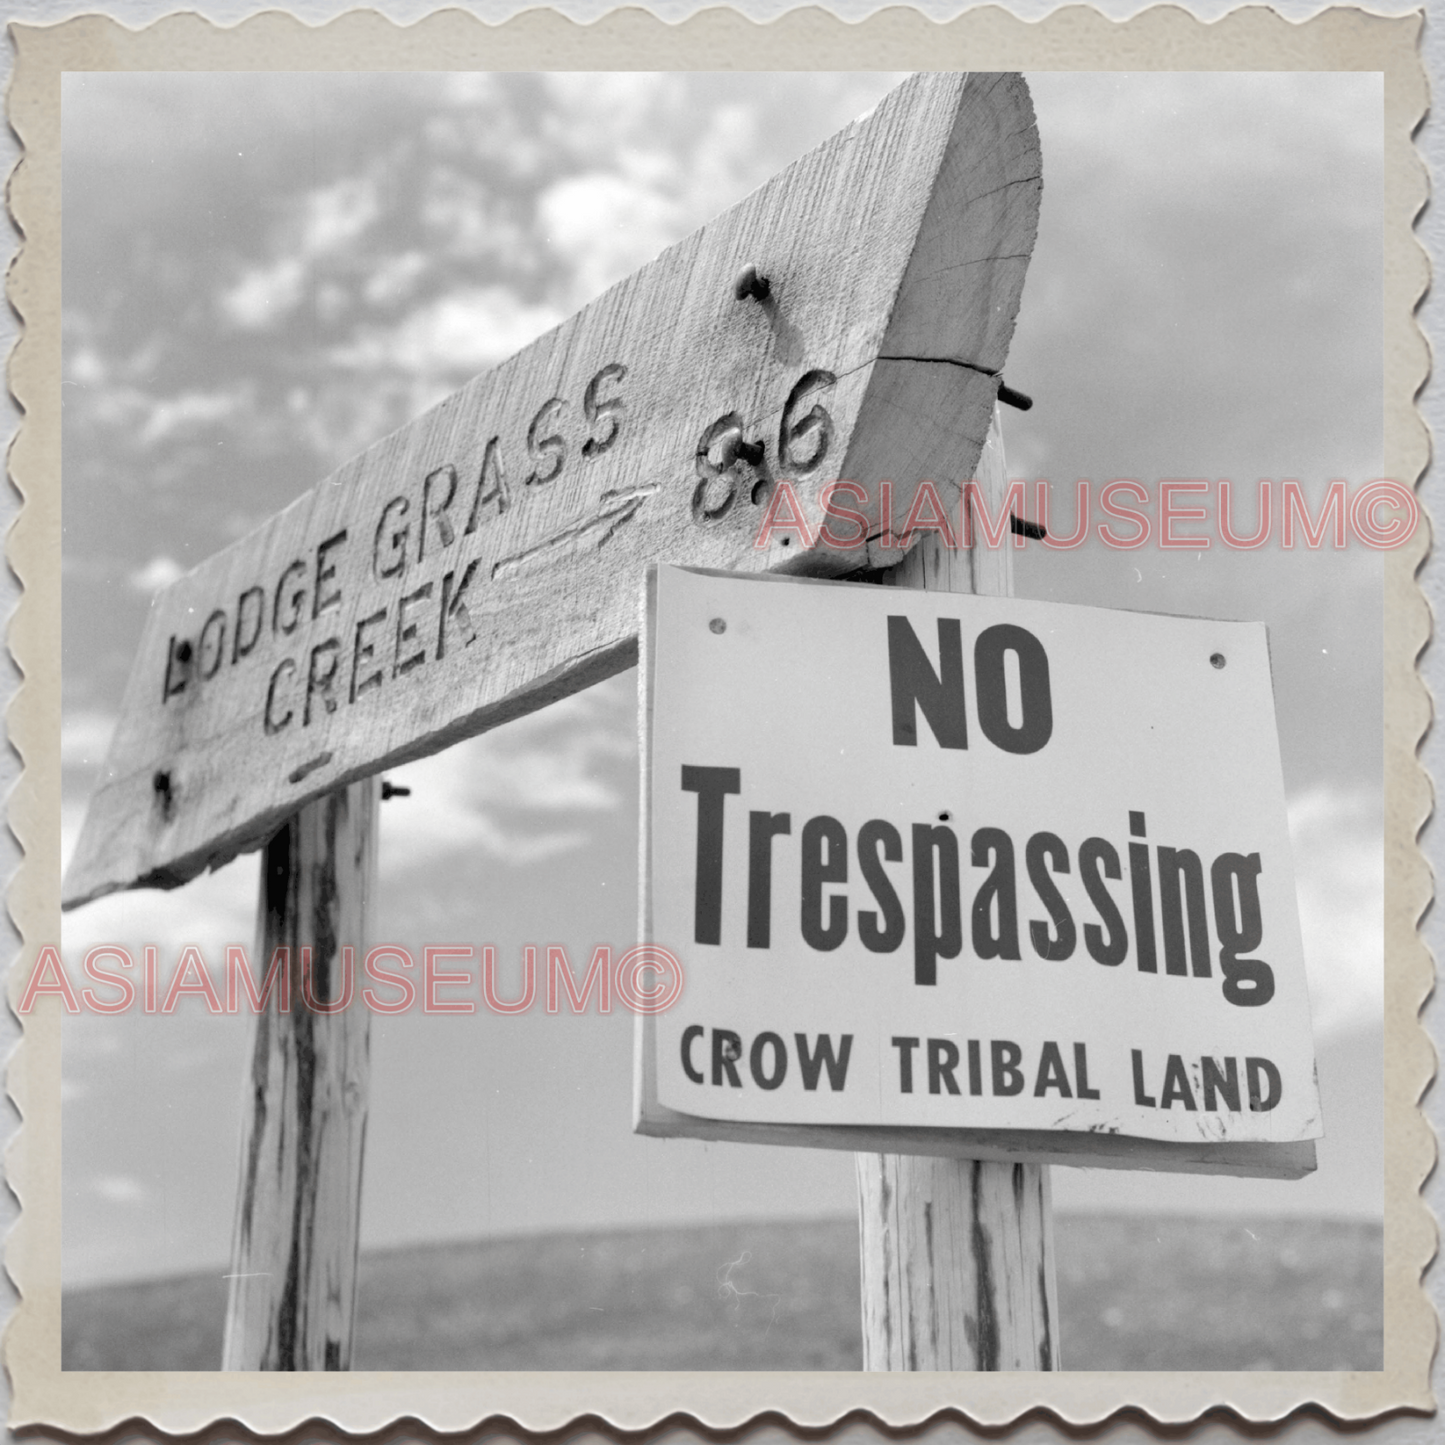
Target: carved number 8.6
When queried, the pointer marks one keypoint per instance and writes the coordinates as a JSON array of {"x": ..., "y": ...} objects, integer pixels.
[{"x": 725, "y": 460}]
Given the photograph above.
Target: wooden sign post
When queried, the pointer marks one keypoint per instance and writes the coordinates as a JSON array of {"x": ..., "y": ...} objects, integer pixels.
[
  {"x": 849, "y": 320},
  {"x": 958, "y": 1254},
  {"x": 292, "y": 1294}
]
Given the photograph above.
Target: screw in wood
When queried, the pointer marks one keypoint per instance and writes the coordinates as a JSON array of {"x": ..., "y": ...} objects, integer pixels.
[
  {"x": 1216, "y": 659},
  {"x": 751, "y": 283},
  {"x": 717, "y": 625},
  {"x": 391, "y": 790}
]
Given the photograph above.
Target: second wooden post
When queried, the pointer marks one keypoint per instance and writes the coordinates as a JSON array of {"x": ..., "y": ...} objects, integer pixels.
[
  {"x": 958, "y": 1254},
  {"x": 293, "y": 1264}
]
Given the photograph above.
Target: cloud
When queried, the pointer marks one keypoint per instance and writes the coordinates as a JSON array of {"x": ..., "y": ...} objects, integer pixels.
[
  {"x": 465, "y": 220},
  {"x": 189, "y": 410},
  {"x": 464, "y": 331},
  {"x": 157, "y": 573},
  {"x": 265, "y": 294},
  {"x": 657, "y": 171},
  {"x": 119, "y": 1189},
  {"x": 85, "y": 737},
  {"x": 601, "y": 111},
  {"x": 87, "y": 366},
  {"x": 516, "y": 793},
  {"x": 152, "y": 422},
  {"x": 394, "y": 278},
  {"x": 211, "y": 911},
  {"x": 338, "y": 214},
  {"x": 1182, "y": 250},
  {"x": 605, "y": 225},
  {"x": 1339, "y": 860},
  {"x": 323, "y": 223}
]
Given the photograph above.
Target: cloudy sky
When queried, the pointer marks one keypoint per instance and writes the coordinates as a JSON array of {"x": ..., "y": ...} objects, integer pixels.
[{"x": 263, "y": 274}]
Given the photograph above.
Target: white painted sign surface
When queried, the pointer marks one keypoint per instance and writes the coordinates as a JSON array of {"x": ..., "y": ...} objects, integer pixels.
[{"x": 1066, "y": 904}]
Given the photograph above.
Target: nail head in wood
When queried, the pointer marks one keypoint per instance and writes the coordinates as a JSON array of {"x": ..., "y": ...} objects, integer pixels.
[
  {"x": 751, "y": 284},
  {"x": 732, "y": 448}
]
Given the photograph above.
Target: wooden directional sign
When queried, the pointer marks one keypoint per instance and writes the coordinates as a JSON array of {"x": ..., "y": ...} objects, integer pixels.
[
  {"x": 970, "y": 876},
  {"x": 485, "y": 559}
]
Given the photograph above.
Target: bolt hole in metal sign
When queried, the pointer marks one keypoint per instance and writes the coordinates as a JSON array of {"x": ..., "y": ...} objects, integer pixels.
[{"x": 969, "y": 875}]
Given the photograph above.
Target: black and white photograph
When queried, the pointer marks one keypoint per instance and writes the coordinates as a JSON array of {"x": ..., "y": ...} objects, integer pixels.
[{"x": 1017, "y": 996}]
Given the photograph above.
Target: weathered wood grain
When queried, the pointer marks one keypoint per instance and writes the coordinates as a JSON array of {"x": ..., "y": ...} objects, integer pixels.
[
  {"x": 292, "y": 1298},
  {"x": 957, "y": 1254},
  {"x": 957, "y": 1264},
  {"x": 485, "y": 559}
]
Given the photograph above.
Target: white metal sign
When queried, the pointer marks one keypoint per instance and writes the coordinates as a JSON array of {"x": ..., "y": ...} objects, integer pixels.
[{"x": 953, "y": 863}]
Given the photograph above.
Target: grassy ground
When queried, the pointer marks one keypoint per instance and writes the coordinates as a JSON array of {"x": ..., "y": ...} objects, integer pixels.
[{"x": 1135, "y": 1293}]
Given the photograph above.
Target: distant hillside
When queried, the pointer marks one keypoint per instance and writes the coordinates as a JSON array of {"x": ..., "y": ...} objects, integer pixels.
[{"x": 1135, "y": 1293}]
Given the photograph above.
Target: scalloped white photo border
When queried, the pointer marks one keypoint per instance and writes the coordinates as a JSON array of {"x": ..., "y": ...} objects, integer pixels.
[{"x": 1076, "y": 38}]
